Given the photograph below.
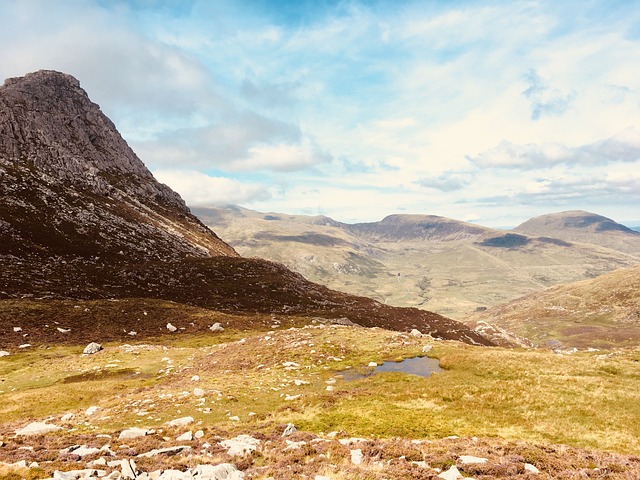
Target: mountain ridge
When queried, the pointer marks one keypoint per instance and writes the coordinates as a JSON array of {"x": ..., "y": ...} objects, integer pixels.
[{"x": 81, "y": 217}]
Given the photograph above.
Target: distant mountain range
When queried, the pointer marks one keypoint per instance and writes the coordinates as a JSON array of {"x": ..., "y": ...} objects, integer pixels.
[
  {"x": 81, "y": 218},
  {"x": 431, "y": 262}
]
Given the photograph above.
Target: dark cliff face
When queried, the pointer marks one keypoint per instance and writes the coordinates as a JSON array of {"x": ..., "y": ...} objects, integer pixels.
[{"x": 72, "y": 185}]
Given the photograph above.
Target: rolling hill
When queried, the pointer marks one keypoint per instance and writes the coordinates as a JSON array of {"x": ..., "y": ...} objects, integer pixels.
[{"x": 424, "y": 261}]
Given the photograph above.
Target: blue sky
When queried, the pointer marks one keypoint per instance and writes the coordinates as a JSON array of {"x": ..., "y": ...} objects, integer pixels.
[{"x": 491, "y": 112}]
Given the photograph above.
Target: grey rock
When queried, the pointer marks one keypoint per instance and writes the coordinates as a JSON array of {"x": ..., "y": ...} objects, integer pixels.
[
  {"x": 223, "y": 471},
  {"x": 37, "y": 428},
  {"x": 128, "y": 468},
  {"x": 290, "y": 429},
  {"x": 165, "y": 451},
  {"x": 470, "y": 459},
  {"x": 92, "y": 348},
  {"x": 4, "y": 353},
  {"x": 133, "y": 432},
  {"x": 531, "y": 468},
  {"x": 240, "y": 445},
  {"x": 452, "y": 474},
  {"x": 216, "y": 327},
  {"x": 185, "y": 437},
  {"x": 180, "y": 422}
]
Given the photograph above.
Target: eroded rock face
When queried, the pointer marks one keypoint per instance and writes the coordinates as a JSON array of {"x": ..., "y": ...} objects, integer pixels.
[{"x": 65, "y": 162}]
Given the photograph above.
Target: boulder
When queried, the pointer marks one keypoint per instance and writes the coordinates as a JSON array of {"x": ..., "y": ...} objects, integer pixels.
[
  {"x": 92, "y": 410},
  {"x": 180, "y": 422},
  {"x": 133, "y": 432},
  {"x": 240, "y": 445},
  {"x": 452, "y": 474},
  {"x": 165, "y": 451},
  {"x": 356, "y": 456},
  {"x": 416, "y": 333},
  {"x": 289, "y": 430},
  {"x": 128, "y": 469},
  {"x": 185, "y": 437},
  {"x": 223, "y": 471},
  {"x": 216, "y": 327},
  {"x": 470, "y": 459},
  {"x": 92, "y": 348},
  {"x": 531, "y": 468},
  {"x": 4, "y": 353},
  {"x": 171, "y": 327},
  {"x": 37, "y": 428}
]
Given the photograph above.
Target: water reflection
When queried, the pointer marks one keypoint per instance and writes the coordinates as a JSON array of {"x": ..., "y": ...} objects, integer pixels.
[{"x": 422, "y": 366}]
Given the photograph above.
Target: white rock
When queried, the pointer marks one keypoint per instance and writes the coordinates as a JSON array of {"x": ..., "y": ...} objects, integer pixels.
[
  {"x": 83, "y": 451},
  {"x": 63, "y": 330},
  {"x": 67, "y": 417},
  {"x": 330, "y": 388},
  {"x": 235, "y": 418},
  {"x": 180, "y": 422},
  {"x": 92, "y": 411},
  {"x": 373, "y": 364},
  {"x": 294, "y": 445},
  {"x": 199, "y": 434},
  {"x": 300, "y": 382},
  {"x": 223, "y": 471},
  {"x": 427, "y": 348},
  {"x": 128, "y": 468},
  {"x": 452, "y": 474},
  {"x": 165, "y": 451},
  {"x": 198, "y": 392},
  {"x": 24, "y": 345},
  {"x": 320, "y": 477},
  {"x": 290, "y": 429},
  {"x": 416, "y": 333},
  {"x": 216, "y": 327},
  {"x": 92, "y": 348},
  {"x": 290, "y": 398},
  {"x": 195, "y": 378},
  {"x": 356, "y": 456},
  {"x": 133, "y": 432},
  {"x": 470, "y": 459},
  {"x": 185, "y": 437},
  {"x": 17, "y": 329},
  {"x": 37, "y": 428},
  {"x": 240, "y": 445},
  {"x": 531, "y": 468},
  {"x": 4, "y": 353},
  {"x": 171, "y": 328}
]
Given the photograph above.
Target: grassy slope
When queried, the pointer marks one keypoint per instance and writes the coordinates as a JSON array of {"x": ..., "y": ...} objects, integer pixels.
[{"x": 584, "y": 400}]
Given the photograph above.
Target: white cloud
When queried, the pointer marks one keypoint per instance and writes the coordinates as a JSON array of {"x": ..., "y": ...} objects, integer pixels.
[{"x": 199, "y": 189}]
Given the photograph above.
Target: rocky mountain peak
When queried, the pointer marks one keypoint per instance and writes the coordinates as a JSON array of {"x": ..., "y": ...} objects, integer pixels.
[
  {"x": 63, "y": 161},
  {"x": 48, "y": 121}
]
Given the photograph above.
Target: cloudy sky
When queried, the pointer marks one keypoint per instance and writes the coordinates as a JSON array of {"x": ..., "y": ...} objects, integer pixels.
[{"x": 485, "y": 111}]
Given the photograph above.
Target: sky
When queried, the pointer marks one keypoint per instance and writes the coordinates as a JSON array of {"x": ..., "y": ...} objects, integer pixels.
[{"x": 484, "y": 111}]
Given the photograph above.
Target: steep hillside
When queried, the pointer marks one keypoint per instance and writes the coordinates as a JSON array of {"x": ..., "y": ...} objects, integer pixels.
[
  {"x": 428, "y": 262},
  {"x": 601, "y": 312},
  {"x": 586, "y": 227},
  {"x": 82, "y": 218}
]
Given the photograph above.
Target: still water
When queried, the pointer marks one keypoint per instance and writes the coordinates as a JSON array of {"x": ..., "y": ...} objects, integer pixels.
[{"x": 422, "y": 366}]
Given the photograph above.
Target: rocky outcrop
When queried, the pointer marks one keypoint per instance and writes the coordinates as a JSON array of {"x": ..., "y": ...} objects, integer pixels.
[{"x": 72, "y": 184}]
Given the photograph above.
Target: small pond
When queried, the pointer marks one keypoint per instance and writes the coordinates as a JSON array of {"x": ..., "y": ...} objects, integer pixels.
[{"x": 422, "y": 366}]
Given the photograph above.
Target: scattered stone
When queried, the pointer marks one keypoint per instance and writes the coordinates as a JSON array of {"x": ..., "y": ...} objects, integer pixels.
[
  {"x": 531, "y": 468},
  {"x": 92, "y": 348},
  {"x": 133, "y": 432},
  {"x": 195, "y": 378},
  {"x": 348, "y": 441},
  {"x": 199, "y": 434},
  {"x": 17, "y": 329},
  {"x": 63, "y": 330},
  {"x": 37, "y": 428},
  {"x": 290, "y": 429},
  {"x": 290, "y": 398},
  {"x": 185, "y": 437},
  {"x": 240, "y": 445},
  {"x": 171, "y": 328},
  {"x": 165, "y": 451},
  {"x": 216, "y": 327},
  {"x": 330, "y": 388},
  {"x": 470, "y": 459},
  {"x": 4, "y": 353},
  {"x": 320, "y": 477},
  {"x": 427, "y": 348},
  {"x": 92, "y": 411},
  {"x": 198, "y": 392},
  {"x": 128, "y": 469},
  {"x": 356, "y": 456},
  {"x": 294, "y": 445},
  {"x": 300, "y": 382},
  {"x": 373, "y": 364},
  {"x": 452, "y": 474},
  {"x": 76, "y": 474},
  {"x": 223, "y": 471},
  {"x": 24, "y": 345},
  {"x": 416, "y": 333},
  {"x": 180, "y": 422},
  {"x": 67, "y": 417},
  {"x": 83, "y": 450},
  {"x": 235, "y": 418}
]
